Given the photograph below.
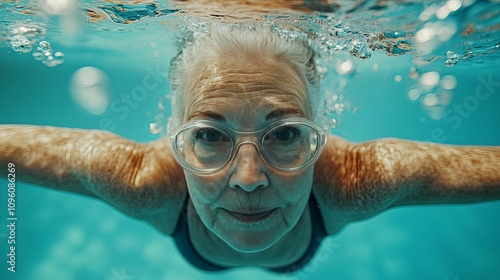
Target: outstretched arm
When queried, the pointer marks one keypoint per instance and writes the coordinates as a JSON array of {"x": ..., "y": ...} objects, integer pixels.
[
  {"x": 365, "y": 179},
  {"x": 142, "y": 180}
]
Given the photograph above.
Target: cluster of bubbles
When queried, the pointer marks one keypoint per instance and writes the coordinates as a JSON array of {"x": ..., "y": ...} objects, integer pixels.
[
  {"x": 158, "y": 126},
  {"x": 435, "y": 28},
  {"x": 22, "y": 38},
  {"x": 433, "y": 34},
  {"x": 22, "y": 35},
  {"x": 47, "y": 56},
  {"x": 335, "y": 104},
  {"x": 20, "y": 43},
  {"x": 434, "y": 92},
  {"x": 333, "y": 35},
  {"x": 340, "y": 40}
]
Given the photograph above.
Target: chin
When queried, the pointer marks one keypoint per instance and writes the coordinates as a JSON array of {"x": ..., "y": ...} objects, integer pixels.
[
  {"x": 250, "y": 247},
  {"x": 248, "y": 242}
]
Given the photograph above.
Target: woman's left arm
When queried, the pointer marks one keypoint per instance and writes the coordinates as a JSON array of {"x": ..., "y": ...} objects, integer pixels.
[
  {"x": 433, "y": 174},
  {"x": 358, "y": 181}
]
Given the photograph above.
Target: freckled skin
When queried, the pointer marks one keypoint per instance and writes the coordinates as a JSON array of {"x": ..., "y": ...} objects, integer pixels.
[{"x": 351, "y": 182}]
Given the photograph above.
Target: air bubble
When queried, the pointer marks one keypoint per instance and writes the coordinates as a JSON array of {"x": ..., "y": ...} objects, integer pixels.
[
  {"x": 161, "y": 106},
  {"x": 50, "y": 62},
  {"x": 57, "y": 7},
  {"x": 44, "y": 47},
  {"x": 330, "y": 109},
  {"x": 154, "y": 128},
  {"x": 21, "y": 44},
  {"x": 430, "y": 100},
  {"x": 414, "y": 74},
  {"x": 448, "y": 82},
  {"x": 424, "y": 35},
  {"x": 344, "y": 67},
  {"x": 38, "y": 56},
  {"x": 452, "y": 59},
  {"x": 414, "y": 94},
  {"x": 429, "y": 79},
  {"x": 90, "y": 87},
  {"x": 453, "y": 5},
  {"x": 59, "y": 57},
  {"x": 333, "y": 123}
]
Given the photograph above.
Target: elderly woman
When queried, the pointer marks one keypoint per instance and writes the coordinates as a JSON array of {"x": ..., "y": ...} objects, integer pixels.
[{"x": 248, "y": 176}]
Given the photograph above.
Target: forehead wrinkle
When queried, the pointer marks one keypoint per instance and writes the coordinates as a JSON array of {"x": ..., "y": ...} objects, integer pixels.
[
  {"x": 248, "y": 83},
  {"x": 243, "y": 109},
  {"x": 222, "y": 86},
  {"x": 273, "y": 80},
  {"x": 254, "y": 71}
]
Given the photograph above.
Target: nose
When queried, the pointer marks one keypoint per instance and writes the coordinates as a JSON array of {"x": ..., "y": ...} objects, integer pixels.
[{"x": 247, "y": 169}]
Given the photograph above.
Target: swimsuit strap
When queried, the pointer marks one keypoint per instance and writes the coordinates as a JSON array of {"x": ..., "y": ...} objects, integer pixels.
[
  {"x": 318, "y": 233},
  {"x": 185, "y": 246}
]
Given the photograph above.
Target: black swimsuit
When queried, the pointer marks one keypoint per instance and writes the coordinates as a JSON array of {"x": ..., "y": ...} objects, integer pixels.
[{"x": 183, "y": 242}]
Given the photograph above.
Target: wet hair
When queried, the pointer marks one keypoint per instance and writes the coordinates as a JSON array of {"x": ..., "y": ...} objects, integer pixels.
[{"x": 200, "y": 50}]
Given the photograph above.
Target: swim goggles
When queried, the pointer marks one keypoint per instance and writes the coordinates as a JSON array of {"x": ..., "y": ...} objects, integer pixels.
[{"x": 205, "y": 147}]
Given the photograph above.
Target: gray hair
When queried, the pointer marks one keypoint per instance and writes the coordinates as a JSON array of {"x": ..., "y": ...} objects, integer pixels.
[{"x": 198, "y": 50}]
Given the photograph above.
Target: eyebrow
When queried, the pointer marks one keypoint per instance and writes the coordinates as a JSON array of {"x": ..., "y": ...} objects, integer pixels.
[
  {"x": 284, "y": 111},
  {"x": 274, "y": 114},
  {"x": 208, "y": 114}
]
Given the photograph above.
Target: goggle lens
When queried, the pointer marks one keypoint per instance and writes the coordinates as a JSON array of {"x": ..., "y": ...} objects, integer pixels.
[{"x": 206, "y": 146}]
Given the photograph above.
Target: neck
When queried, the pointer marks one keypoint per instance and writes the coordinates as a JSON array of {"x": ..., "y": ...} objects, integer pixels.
[{"x": 284, "y": 252}]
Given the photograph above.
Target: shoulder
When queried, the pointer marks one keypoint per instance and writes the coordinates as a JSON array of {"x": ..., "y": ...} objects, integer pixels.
[
  {"x": 351, "y": 183},
  {"x": 159, "y": 190},
  {"x": 328, "y": 173}
]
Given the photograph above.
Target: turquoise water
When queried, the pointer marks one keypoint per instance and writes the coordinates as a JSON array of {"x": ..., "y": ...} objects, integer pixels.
[{"x": 66, "y": 236}]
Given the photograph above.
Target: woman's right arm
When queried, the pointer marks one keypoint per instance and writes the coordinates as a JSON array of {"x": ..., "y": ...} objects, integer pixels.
[{"x": 142, "y": 180}]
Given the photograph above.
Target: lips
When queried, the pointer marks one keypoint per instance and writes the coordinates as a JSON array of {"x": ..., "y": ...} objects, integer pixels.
[{"x": 251, "y": 217}]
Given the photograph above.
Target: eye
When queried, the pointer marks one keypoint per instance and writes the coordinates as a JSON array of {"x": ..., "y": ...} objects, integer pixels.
[
  {"x": 210, "y": 135},
  {"x": 285, "y": 133}
]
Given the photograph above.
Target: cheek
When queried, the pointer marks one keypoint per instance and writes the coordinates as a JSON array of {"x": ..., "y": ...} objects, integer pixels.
[
  {"x": 204, "y": 190},
  {"x": 297, "y": 188},
  {"x": 294, "y": 192}
]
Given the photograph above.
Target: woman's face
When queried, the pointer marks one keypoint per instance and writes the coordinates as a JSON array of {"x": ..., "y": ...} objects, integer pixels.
[{"x": 249, "y": 205}]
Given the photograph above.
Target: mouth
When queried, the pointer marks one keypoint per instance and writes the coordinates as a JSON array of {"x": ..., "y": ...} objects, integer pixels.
[{"x": 251, "y": 217}]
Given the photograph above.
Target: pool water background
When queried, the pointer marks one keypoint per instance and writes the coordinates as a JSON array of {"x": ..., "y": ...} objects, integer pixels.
[{"x": 66, "y": 236}]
